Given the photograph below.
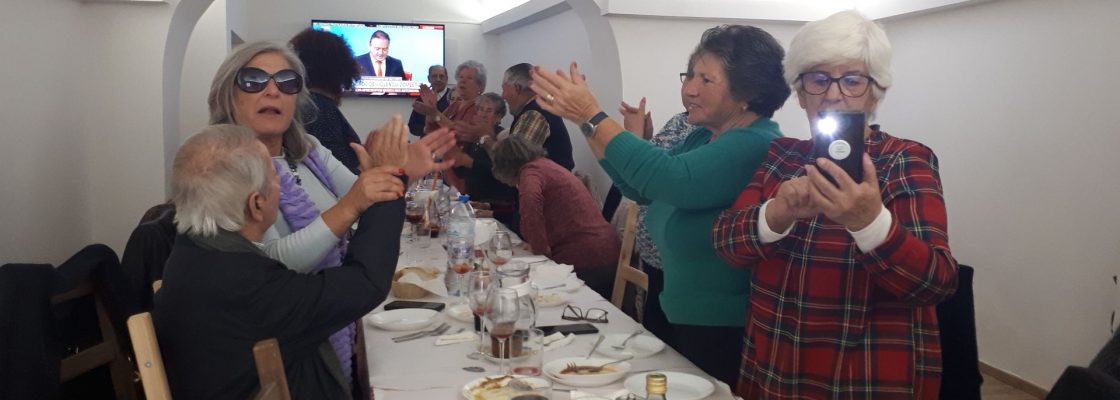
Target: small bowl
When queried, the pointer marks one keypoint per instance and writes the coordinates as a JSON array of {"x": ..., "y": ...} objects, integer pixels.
[
  {"x": 611, "y": 373},
  {"x": 408, "y": 290}
]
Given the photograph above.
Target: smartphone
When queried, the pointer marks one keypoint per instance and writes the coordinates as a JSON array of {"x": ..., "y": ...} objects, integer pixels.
[
  {"x": 838, "y": 136},
  {"x": 579, "y": 329},
  {"x": 430, "y": 305}
]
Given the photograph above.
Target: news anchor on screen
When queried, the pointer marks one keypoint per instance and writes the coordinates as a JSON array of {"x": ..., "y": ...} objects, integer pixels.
[{"x": 378, "y": 62}]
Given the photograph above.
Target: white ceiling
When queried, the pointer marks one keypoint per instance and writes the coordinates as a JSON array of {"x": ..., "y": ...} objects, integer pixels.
[{"x": 774, "y": 10}]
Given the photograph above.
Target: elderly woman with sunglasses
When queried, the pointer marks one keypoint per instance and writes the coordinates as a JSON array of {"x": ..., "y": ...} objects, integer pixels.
[
  {"x": 846, "y": 275},
  {"x": 734, "y": 84},
  {"x": 260, "y": 86}
]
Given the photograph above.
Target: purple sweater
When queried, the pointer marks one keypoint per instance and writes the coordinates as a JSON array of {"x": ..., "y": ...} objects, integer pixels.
[{"x": 561, "y": 220}]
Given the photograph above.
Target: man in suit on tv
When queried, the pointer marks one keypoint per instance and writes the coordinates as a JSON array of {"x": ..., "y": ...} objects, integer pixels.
[{"x": 377, "y": 62}]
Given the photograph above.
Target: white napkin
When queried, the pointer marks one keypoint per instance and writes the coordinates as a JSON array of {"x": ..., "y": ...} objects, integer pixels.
[
  {"x": 548, "y": 273},
  {"x": 434, "y": 285},
  {"x": 578, "y": 395},
  {"x": 557, "y": 340},
  {"x": 454, "y": 338}
]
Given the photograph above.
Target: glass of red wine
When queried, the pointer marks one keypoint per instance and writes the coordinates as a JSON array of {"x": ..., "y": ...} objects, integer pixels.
[
  {"x": 478, "y": 286},
  {"x": 503, "y": 309},
  {"x": 414, "y": 214}
]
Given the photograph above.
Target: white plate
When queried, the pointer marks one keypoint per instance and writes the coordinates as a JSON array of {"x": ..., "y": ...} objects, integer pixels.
[
  {"x": 552, "y": 371},
  {"x": 552, "y": 299},
  {"x": 472, "y": 392},
  {"x": 461, "y": 312},
  {"x": 640, "y": 346},
  {"x": 403, "y": 319},
  {"x": 681, "y": 386}
]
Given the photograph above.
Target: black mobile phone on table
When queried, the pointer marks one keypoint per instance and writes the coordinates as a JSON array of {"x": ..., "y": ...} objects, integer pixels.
[
  {"x": 429, "y": 305},
  {"x": 578, "y": 329},
  {"x": 838, "y": 136}
]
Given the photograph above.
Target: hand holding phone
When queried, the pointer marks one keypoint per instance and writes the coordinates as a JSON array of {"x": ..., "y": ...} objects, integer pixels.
[{"x": 838, "y": 136}]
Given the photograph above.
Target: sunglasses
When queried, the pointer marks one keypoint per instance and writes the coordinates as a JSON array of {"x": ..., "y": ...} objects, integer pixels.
[{"x": 253, "y": 80}]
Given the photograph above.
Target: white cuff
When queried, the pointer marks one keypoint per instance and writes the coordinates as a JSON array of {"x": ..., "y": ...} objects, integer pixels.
[
  {"x": 875, "y": 233},
  {"x": 765, "y": 234}
]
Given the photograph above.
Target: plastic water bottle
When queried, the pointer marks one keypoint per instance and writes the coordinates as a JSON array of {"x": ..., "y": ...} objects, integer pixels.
[
  {"x": 461, "y": 221},
  {"x": 460, "y": 241}
]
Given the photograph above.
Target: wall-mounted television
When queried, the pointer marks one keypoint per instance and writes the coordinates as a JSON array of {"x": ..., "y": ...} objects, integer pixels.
[{"x": 394, "y": 57}]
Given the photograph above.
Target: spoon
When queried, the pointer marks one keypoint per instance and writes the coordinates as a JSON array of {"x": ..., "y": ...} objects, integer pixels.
[{"x": 622, "y": 346}]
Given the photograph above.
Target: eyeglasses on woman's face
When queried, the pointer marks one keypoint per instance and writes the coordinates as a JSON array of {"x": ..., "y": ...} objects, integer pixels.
[
  {"x": 851, "y": 85},
  {"x": 254, "y": 80}
]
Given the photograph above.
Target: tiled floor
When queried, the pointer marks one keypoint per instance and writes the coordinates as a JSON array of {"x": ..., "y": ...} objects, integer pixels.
[{"x": 994, "y": 389}]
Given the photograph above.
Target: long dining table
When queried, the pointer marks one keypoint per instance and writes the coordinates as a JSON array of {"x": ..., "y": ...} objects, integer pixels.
[{"x": 418, "y": 369}]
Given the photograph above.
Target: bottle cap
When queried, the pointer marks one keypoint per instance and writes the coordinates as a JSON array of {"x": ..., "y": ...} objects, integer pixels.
[
  {"x": 463, "y": 198},
  {"x": 655, "y": 384}
]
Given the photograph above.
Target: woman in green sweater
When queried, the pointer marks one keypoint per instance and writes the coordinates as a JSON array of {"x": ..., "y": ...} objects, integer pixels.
[{"x": 733, "y": 86}]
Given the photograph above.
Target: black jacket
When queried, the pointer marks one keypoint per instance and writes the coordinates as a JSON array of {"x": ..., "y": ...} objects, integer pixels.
[{"x": 214, "y": 305}]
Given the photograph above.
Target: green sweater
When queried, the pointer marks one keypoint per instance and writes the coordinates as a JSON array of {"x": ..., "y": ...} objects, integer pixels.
[{"x": 686, "y": 187}]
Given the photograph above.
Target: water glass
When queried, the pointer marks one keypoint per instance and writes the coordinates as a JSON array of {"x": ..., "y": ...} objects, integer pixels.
[{"x": 532, "y": 353}]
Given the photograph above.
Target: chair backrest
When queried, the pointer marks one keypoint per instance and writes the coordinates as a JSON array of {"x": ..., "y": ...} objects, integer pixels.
[
  {"x": 148, "y": 358},
  {"x": 626, "y": 273},
  {"x": 270, "y": 371}
]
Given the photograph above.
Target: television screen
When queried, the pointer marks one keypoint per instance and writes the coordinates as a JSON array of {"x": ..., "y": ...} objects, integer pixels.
[{"x": 394, "y": 57}]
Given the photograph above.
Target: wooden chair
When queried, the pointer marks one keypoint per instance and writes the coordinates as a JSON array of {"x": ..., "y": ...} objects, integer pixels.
[
  {"x": 148, "y": 358},
  {"x": 109, "y": 352},
  {"x": 626, "y": 273},
  {"x": 270, "y": 371}
]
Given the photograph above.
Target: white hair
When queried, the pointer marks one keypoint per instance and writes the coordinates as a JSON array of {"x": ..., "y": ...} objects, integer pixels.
[
  {"x": 479, "y": 71},
  {"x": 842, "y": 37},
  {"x": 213, "y": 175}
]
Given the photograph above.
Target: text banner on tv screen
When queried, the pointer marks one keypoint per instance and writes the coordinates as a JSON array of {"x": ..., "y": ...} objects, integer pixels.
[{"x": 394, "y": 57}]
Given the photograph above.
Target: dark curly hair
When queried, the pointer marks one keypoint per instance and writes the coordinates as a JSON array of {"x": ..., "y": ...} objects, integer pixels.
[
  {"x": 330, "y": 64},
  {"x": 752, "y": 60}
]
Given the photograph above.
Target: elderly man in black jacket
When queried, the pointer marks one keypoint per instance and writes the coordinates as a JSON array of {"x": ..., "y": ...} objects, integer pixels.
[{"x": 221, "y": 294}]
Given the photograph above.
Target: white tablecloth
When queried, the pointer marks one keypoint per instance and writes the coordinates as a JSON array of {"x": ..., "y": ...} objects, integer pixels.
[{"x": 420, "y": 370}]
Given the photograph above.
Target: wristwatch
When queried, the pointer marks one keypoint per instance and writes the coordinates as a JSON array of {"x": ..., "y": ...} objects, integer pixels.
[{"x": 588, "y": 127}]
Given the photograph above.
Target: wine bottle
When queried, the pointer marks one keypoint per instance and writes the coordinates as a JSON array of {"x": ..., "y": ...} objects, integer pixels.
[{"x": 656, "y": 386}]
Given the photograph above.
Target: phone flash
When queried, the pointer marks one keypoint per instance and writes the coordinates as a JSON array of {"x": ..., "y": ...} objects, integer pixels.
[{"x": 827, "y": 125}]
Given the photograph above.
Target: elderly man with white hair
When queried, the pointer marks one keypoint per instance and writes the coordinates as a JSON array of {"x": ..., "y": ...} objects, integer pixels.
[
  {"x": 221, "y": 293},
  {"x": 847, "y": 274}
]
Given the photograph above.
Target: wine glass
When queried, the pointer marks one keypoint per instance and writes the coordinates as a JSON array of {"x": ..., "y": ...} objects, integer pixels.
[
  {"x": 478, "y": 286},
  {"x": 501, "y": 248},
  {"x": 503, "y": 310}
]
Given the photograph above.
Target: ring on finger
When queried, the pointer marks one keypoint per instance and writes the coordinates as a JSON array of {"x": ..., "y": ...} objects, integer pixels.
[{"x": 549, "y": 97}]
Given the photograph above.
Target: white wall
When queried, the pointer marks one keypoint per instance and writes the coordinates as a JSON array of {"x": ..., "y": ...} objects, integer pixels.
[
  {"x": 83, "y": 129},
  {"x": 1018, "y": 99},
  {"x": 208, "y": 46},
  {"x": 45, "y": 211},
  {"x": 463, "y": 41}
]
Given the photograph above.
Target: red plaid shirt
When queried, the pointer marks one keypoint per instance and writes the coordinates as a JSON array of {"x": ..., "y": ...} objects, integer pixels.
[{"x": 827, "y": 321}]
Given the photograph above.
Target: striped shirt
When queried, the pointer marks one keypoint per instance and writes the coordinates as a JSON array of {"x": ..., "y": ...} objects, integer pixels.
[{"x": 827, "y": 321}]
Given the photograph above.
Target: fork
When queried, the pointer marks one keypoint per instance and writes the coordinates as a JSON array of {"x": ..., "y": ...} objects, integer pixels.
[
  {"x": 622, "y": 346},
  {"x": 591, "y": 369},
  {"x": 416, "y": 335}
]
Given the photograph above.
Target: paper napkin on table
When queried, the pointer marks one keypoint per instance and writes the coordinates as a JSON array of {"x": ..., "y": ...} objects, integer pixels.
[
  {"x": 454, "y": 338},
  {"x": 557, "y": 340},
  {"x": 434, "y": 285}
]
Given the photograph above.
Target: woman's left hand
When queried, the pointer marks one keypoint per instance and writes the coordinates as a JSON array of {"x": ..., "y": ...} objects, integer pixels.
[
  {"x": 389, "y": 146},
  {"x": 854, "y": 205},
  {"x": 565, "y": 95}
]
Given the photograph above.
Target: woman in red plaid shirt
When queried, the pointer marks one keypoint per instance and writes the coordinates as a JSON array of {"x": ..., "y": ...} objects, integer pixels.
[{"x": 846, "y": 276}]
